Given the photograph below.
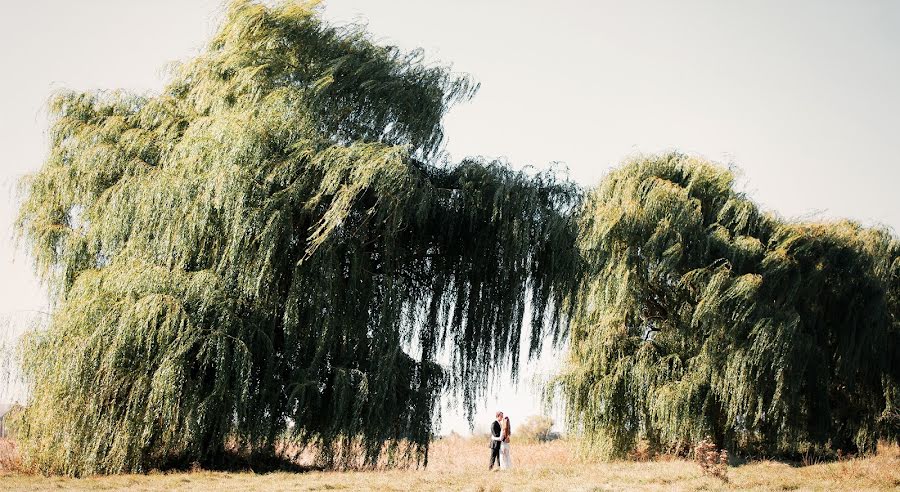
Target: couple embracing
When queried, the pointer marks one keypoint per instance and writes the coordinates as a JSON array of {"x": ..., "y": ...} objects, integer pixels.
[{"x": 500, "y": 432}]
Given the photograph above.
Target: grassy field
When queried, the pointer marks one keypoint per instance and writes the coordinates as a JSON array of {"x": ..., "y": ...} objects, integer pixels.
[{"x": 459, "y": 464}]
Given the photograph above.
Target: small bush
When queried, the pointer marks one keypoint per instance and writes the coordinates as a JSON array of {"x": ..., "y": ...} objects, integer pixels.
[
  {"x": 10, "y": 460},
  {"x": 536, "y": 428},
  {"x": 711, "y": 460}
]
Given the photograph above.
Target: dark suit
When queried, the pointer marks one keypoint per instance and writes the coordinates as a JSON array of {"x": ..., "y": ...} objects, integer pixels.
[{"x": 495, "y": 444}]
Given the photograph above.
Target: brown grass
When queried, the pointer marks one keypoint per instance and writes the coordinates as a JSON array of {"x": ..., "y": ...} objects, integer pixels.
[{"x": 460, "y": 464}]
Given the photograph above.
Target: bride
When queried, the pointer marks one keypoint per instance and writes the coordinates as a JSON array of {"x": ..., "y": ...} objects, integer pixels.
[{"x": 505, "y": 432}]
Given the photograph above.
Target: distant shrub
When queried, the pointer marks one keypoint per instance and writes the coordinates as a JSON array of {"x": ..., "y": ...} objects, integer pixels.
[
  {"x": 536, "y": 428},
  {"x": 711, "y": 460},
  {"x": 10, "y": 459}
]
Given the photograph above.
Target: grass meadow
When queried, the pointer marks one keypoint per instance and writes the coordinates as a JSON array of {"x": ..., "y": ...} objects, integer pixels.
[{"x": 460, "y": 464}]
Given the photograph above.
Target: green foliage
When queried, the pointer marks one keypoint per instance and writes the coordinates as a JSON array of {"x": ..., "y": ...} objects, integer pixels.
[
  {"x": 699, "y": 315},
  {"x": 270, "y": 250}
]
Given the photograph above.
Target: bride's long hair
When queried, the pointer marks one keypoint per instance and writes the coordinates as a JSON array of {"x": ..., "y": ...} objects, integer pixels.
[{"x": 504, "y": 426}]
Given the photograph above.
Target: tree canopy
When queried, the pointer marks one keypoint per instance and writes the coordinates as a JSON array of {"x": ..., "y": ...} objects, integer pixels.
[
  {"x": 271, "y": 250},
  {"x": 702, "y": 315}
]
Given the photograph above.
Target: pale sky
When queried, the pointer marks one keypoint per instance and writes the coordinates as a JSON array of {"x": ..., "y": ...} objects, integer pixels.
[{"x": 801, "y": 95}]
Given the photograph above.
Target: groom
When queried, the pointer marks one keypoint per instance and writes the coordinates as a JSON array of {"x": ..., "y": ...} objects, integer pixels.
[{"x": 495, "y": 441}]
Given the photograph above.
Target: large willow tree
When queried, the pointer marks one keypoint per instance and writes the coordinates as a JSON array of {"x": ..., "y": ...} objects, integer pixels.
[
  {"x": 271, "y": 249},
  {"x": 701, "y": 315}
]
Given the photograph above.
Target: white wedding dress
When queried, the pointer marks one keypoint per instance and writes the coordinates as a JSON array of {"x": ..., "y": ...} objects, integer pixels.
[{"x": 505, "y": 458}]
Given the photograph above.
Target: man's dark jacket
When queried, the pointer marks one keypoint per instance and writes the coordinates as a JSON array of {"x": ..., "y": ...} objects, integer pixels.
[{"x": 495, "y": 430}]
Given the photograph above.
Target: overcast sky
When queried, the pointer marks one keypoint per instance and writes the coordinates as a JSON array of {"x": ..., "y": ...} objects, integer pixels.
[{"x": 802, "y": 96}]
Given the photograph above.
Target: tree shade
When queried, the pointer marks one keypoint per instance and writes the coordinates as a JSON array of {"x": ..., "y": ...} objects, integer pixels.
[
  {"x": 273, "y": 250},
  {"x": 701, "y": 315}
]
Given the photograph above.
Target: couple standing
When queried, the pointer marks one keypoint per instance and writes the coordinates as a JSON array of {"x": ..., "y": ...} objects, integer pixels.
[{"x": 500, "y": 432}]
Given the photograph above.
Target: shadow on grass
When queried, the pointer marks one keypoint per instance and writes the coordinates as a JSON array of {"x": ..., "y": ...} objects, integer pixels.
[
  {"x": 240, "y": 462},
  {"x": 795, "y": 461}
]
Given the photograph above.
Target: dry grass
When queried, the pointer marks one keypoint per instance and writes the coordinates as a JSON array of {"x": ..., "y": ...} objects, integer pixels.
[{"x": 460, "y": 464}]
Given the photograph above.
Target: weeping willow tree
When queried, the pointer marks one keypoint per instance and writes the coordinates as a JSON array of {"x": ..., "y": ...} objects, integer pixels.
[
  {"x": 272, "y": 249},
  {"x": 701, "y": 315}
]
